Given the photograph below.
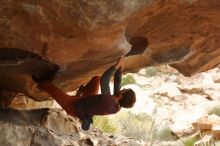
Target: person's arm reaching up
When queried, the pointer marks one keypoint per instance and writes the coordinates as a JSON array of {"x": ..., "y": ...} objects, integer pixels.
[
  {"x": 105, "y": 79},
  {"x": 118, "y": 76},
  {"x": 106, "y": 76}
]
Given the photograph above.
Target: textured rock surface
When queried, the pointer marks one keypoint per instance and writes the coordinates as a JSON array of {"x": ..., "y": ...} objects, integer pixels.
[
  {"x": 52, "y": 128},
  {"x": 84, "y": 37},
  {"x": 184, "y": 34},
  {"x": 185, "y": 103},
  {"x": 23, "y": 102},
  {"x": 208, "y": 129}
]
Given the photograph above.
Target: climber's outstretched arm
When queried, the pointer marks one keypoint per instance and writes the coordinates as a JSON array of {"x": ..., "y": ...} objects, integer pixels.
[
  {"x": 118, "y": 77},
  {"x": 105, "y": 80},
  {"x": 106, "y": 76}
]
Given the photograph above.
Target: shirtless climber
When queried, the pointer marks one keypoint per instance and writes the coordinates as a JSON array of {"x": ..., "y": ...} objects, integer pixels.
[{"x": 88, "y": 102}]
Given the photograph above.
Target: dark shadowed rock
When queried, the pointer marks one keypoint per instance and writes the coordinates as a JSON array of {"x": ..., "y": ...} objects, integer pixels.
[{"x": 83, "y": 38}]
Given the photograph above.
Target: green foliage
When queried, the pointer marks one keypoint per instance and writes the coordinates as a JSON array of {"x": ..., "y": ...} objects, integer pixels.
[
  {"x": 128, "y": 79},
  {"x": 151, "y": 71},
  {"x": 138, "y": 126},
  {"x": 190, "y": 141},
  {"x": 104, "y": 124},
  {"x": 215, "y": 110},
  {"x": 165, "y": 134}
]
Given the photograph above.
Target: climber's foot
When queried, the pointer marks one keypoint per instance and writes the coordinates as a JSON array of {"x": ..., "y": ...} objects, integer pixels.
[{"x": 86, "y": 123}]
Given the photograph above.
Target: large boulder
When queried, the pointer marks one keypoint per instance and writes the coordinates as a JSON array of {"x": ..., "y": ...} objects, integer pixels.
[
  {"x": 83, "y": 38},
  {"x": 52, "y": 127}
]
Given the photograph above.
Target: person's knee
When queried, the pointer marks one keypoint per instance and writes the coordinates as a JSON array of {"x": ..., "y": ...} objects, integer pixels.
[{"x": 96, "y": 78}]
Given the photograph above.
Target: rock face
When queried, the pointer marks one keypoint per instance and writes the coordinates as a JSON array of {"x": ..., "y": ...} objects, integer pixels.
[
  {"x": 85, "y": 37},
  {"x": 177, "y": 101},
  {"x": 179, "y": 34},
  {"x": 210, "y": 123},
  {"x": 52, "y": 127}
]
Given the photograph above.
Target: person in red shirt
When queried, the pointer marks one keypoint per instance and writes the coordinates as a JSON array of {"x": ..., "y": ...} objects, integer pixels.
[{"x": 87, "y": 102}]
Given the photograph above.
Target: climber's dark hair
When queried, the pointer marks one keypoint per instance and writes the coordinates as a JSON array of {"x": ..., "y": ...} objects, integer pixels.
[{"x": 128, "y": 98}]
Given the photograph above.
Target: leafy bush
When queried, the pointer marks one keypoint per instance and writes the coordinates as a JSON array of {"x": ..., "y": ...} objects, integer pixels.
[
  {"x": 138, "y": 126},
  {"x": 166, "y": 134},
  {"x": 128, "y": 79},
  {"x": 190, "y": 141},
  {"x": 104, "y": 124},
  {"x": 215, "y": 110}
]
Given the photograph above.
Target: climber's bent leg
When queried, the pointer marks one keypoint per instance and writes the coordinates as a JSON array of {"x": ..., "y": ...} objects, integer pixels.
[
  {"x": 91, "y": 88},
  {"x": 87, "y": 91}
]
